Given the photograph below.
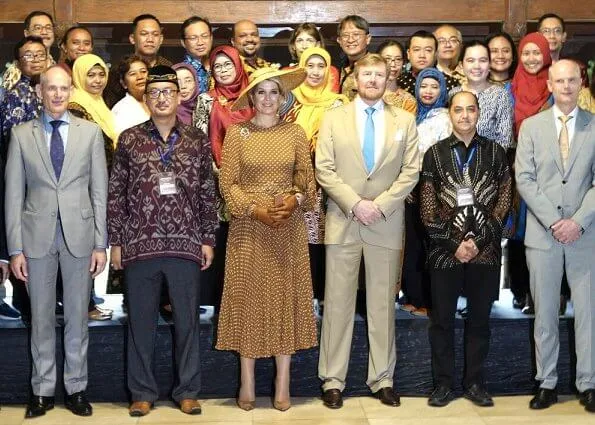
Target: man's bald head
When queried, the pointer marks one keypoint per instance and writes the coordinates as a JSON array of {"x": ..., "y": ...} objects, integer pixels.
[
  {"x": 564, "y": 81},
  {"x": 245, "y": 38},
  {"x": 54, "y": 90}
]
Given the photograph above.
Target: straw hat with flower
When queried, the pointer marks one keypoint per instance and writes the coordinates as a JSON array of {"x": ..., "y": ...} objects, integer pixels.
[{"x": 289, "y": 78}]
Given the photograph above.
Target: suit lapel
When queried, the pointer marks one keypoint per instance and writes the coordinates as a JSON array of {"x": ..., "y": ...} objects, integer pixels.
[
  {"x": 580, "y": 134},
  {"x": 72, "y": 145},
  {"x": 550, "y": 128},
  {"x": 353, "y": 135},
  {"x": 389, "y": 133},
  {"x": 44, "y": 152}
]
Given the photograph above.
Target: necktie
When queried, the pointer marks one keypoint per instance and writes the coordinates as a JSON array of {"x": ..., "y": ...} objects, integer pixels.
[
  {"x": 563, "y": 139},
  {"x": 56, "y": 148},
  {"x": 369, "y": 140}
]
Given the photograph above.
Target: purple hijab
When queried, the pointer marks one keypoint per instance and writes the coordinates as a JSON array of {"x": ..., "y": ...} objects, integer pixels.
[{"x": 186, "y": 107}]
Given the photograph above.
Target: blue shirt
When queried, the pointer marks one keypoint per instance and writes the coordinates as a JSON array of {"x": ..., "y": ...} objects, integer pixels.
[{"x": 48, "y": 129}]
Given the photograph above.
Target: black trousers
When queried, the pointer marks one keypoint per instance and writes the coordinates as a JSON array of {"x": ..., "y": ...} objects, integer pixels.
[
  {"x": 415, "y": 280},
  {"x": 143, "y": 285},
  {"x": 481, "y": 286}
]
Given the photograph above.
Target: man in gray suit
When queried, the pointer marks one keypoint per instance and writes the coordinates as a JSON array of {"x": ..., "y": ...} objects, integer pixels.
[
  {"x": 555, "y": 172},
  {"x": 56, "y": 213}
]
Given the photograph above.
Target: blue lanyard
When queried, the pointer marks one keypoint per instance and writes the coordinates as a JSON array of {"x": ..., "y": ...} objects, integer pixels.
[
  {"x": 464, "y": 166},
  {"x": 166, "y": 156}
]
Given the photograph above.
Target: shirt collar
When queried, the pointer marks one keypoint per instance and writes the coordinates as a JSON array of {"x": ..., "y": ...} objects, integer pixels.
[
  {"x": 453, "y": 140},
  {"x": 47, "y": 118},
  {"x": 154, "y": 132},
  {"x": 362, "y": 106},
  {"x": 558, "y": 113}
]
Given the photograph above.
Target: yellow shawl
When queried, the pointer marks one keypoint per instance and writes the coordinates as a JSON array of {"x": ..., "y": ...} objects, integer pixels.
[
  {"x": 93, "y": 104},
  {"x": 315, "y": 100}
]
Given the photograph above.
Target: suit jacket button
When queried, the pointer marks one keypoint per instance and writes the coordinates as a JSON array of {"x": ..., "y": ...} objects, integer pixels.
[
  {"x": 53, "y": 214},
  {"x": 559, "y": 207},
  {"x": 563, "y": 181}
]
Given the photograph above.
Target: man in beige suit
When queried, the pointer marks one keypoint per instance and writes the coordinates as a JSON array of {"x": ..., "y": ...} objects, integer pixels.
[
  {"x": 367, "y": 162},
  {"x": 55, "y": 206}
]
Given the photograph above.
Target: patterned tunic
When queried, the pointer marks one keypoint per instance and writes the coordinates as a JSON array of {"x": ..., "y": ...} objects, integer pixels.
[
  {"x": 446, "y": 223},
  {"x": 266, "y": 308},
  {"x": 495, "y": 114},
  {"x": 146, "y": 224},
  {"x": 586, "y": 101},
  {"x": 401, "y": 99},
  {"x": 20, "y": 104},
  {"x": 407, "y": 80}
]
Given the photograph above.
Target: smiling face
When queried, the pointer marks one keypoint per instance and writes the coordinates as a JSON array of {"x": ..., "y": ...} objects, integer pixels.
[
  {"x": 394, "y": 58},
  {"x": 96, "y": 80},
  {"x": 501, "y": 53},
  {"x": 353, "y": 40},
  {"x": 429, "y": 91},
  {"x": 551, "y": 28},
  {"x": 315, "y": 71},
  {"x": 531, "y": 58},
  {"x": 147, "y": 38},
  {"x": 421, "y": 53},
  {"x": 303, "y": 41},
  {"x": 223, "y": 70},
  {"x": 135, "y": 80},
  {"x": 198, "y": 39},
  {"x": 79, "y": 42},
  {"x": 266, "y": 98},
  {"x": 54, "y": 91},
  {"x": 371, "y": 82},
  {"x": 246, "y": 38},
  {"x": 32, "y": 58},
  {"x": 41, "y": 26},
  {"x": 476, "y": 64}
]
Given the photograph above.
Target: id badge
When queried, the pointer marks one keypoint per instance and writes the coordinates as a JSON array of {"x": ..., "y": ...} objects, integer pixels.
[
  {"x": 167, "y": 183},
  {"x": 465, "y": 197}
]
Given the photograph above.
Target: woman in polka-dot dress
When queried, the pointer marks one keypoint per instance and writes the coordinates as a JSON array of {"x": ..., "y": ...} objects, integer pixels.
[{"x": 267, "y": 182}]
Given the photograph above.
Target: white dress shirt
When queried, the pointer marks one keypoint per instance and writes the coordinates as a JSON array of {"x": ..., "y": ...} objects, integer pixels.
[
  {"x": 361, "y": 117},
  {"x": 570, "y": 124}
]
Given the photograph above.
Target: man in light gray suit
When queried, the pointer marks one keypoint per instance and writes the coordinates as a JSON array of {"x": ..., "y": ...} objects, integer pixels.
[
  {"x": 56, "y": 180},
  {"x": 555, "y": 172}
]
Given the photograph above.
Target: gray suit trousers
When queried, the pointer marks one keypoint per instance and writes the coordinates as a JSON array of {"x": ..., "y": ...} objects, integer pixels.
[
  {"x": 42, "y": 291},
  {"x": 546, "y": 268}
]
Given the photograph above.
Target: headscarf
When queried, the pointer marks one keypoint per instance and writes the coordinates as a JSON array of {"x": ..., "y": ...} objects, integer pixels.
[
  {"x": 223, "y": 97},
  {"x": 530, "y": 91},
  {"x": 422, "y": 108},
  {"x": 187, "y": 107},
  {"x": 315, "y": 100},
  {"x": 93, "y": 104}
]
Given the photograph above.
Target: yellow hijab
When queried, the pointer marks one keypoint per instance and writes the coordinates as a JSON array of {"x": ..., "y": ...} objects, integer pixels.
[
  {"x": 315, "y": 100},
  {"x": 93, "y": 104}
]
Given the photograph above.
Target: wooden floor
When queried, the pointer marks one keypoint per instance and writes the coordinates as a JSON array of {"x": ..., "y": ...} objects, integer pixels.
[{"x": 308, "y": 411}]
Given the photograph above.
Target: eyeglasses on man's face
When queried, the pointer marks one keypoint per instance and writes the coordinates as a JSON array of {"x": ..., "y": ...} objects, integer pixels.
[
  {"x": 34, "y": 57},
  {"x": 167, "y": 93}
]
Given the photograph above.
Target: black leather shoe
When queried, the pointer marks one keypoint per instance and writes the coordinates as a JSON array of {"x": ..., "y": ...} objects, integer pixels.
[
  {"x": 388, "y": 396},
  {"x": 333, "y": 399},
  {"x": 78, "y": 404},
  {"x": 544, "y": 399},
  {"x": 441, "y": 396},
  {"x": 479, "y": 396},
  {"x": 588, "y": 400},
  {"x": 38, "y": 405}
]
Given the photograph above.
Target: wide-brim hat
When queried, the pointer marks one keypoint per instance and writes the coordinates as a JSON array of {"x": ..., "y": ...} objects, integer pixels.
[{"x": 289, "y": 78}]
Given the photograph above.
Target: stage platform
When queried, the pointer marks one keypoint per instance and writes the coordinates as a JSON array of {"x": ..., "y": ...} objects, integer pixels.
[{"x": 509, "y": 369}]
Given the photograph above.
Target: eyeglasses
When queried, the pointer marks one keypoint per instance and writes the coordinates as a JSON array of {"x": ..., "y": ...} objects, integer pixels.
[
  {"x": 195, "y": 38},
  {"x": 34, "y": 57},
  {"x": 155, "y": 93},
  {"x": 452, "y": 40},
  {"x": 356, "y": 36},
  {"x": 391, "y": 59},
  {"x": 40, "y": 28},
  {"x": 548, "y": 31},
  {"x": 222, "y": 66}
]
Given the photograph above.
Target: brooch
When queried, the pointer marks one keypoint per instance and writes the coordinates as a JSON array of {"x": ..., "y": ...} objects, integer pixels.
[
  {"x": 222, "y": 100},
  {"x": 244, "y": 132}
]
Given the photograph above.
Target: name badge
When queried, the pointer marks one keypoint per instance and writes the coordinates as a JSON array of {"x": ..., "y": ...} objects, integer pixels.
[
  {"x": 167, "y": 183},
  {"x": 465, "y": 196}
]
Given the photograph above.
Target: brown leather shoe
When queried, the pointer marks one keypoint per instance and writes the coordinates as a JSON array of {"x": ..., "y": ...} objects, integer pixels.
[
  {"x": 333, "y": 399},
  {"x": 388, "y": 396},
  {"x": 190, "y": 406},
  {"x": 140, "y": 408}
]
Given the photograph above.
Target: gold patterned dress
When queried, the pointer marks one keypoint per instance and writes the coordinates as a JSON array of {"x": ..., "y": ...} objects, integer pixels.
[{"x": 266, "y": 309}]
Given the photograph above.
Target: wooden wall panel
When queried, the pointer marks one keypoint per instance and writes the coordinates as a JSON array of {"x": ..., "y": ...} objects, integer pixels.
[
  {"x": 16, "y": 11},
  {"x": 570, "y": 10},
  {"x": 291, "y": 12}
]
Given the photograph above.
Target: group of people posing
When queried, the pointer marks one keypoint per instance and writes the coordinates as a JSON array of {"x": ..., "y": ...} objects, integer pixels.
[{"x": 283, "y": 180}]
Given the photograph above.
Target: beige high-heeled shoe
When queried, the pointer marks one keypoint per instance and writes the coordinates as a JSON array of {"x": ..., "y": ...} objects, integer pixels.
[
  {"x": 282, "y": 405},
  {"x": 246, "y": 405}
]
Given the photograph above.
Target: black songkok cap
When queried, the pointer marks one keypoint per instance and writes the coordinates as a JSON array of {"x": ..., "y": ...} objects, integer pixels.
[{"x": 161, "y": 74}]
